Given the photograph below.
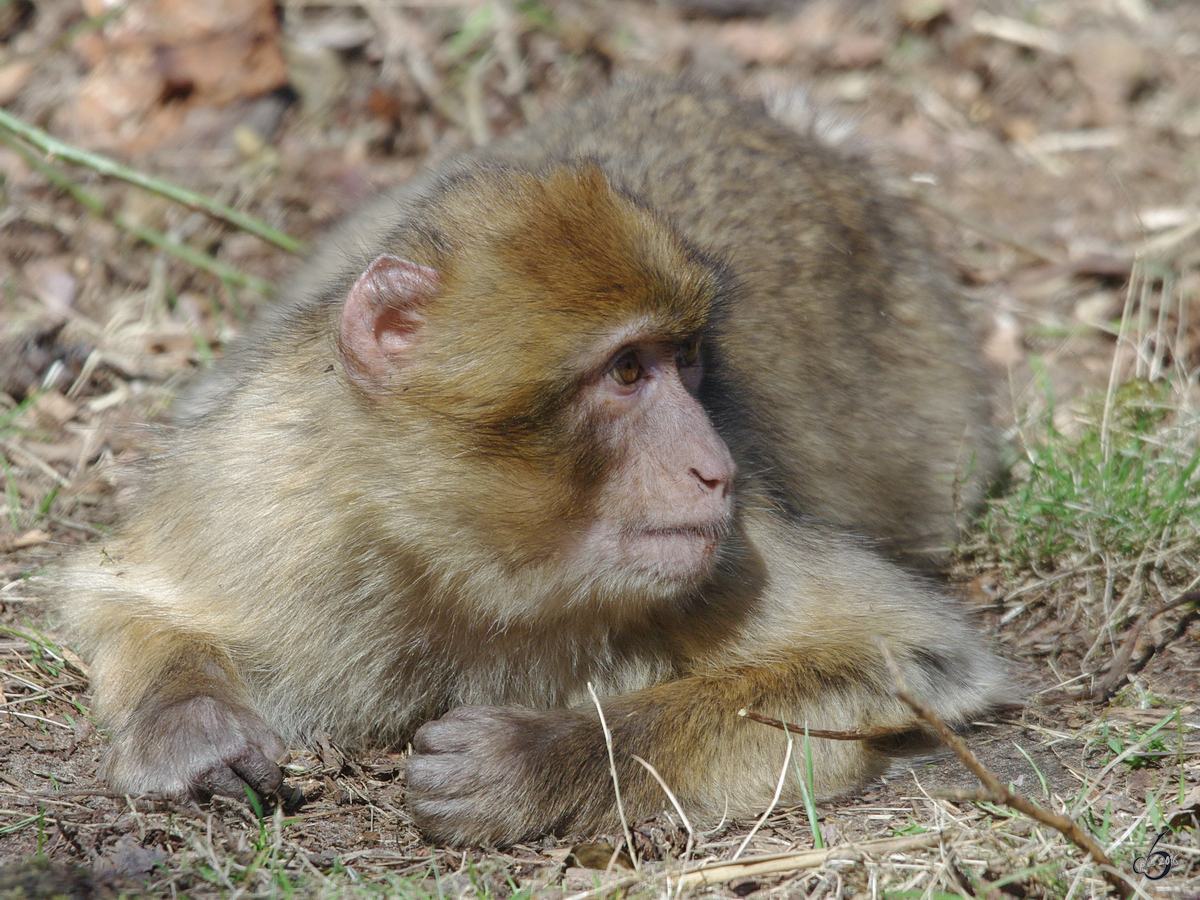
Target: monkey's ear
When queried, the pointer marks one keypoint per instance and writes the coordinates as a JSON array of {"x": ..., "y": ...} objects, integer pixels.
[{"x": 381, "y": 318}]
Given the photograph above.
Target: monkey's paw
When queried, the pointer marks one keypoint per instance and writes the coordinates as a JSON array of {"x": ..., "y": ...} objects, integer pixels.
[
  {"x": 492, "y": 775},
  {"x": 196, "y": 747}
]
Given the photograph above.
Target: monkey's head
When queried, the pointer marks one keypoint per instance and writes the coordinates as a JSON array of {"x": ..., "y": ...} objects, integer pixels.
[{"x": 534, "y": 341}]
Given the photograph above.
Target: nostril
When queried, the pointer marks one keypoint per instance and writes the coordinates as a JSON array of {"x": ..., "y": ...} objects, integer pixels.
[{"x": 711, "y": 484}]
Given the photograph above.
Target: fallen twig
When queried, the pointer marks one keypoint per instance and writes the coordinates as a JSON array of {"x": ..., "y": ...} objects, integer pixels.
[
  {"x": 691, "y": 841},
  {"x": 612, "y": 768},
  {"x": 1123, "y": 665},
  {"x": 717, "y": 873},
  {"x": 987, "y": 230},
  {"x": 854, "y": 734},
  {"x": 998, "y": 792},
  {"x": 766, "y": 865},
  {"x": 783, "y": 772}
]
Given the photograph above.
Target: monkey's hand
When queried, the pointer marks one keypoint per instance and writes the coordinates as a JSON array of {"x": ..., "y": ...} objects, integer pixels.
[
  {"x": 493, "y": 775},
  {"x": 196, "y": 747}
]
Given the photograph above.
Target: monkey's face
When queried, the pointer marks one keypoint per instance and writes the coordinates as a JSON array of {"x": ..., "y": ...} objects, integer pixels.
[
  {"x": 666, "y": 497},
  {"x": 540, "y": 362}
]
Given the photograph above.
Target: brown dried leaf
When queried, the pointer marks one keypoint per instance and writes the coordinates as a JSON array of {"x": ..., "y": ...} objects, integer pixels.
[
  {"x": 598, "y": 855},
  {"x": 162, "y": 59},
  {"x": 51, "y": 410},
  {"x": 1179, "y": 815},
  {"x": 13, "y": 76},
  {"x": 53, "y": 282},
  {"x": 21, "y": 541}
]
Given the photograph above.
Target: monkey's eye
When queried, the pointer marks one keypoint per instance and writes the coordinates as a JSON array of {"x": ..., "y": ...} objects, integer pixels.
[
  {"x": 628, "y": 369},
  {"x": 688, "y": 354}
]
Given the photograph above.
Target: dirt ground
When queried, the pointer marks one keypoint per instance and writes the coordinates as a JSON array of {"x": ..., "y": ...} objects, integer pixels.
[{"x": 1053, "y": 147}]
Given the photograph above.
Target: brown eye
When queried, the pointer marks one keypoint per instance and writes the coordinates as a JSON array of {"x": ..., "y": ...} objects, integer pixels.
[
  {"x": 627, "y": 369},
  {"x": 688, "y": 354}
]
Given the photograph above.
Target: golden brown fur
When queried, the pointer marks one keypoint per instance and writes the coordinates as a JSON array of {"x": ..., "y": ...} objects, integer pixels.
[{"x": 424, "y": 495}]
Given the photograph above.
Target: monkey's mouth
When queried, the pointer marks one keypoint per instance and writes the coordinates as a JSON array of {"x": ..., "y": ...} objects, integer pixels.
[
  {"x": 702, "y": 532},
  {"x": 682, "y": 547},
  {"x": 669, "y": 555}
]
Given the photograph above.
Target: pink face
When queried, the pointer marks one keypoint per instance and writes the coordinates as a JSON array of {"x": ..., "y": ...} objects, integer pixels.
[
  {"x": 669, "y": 496},
  {"x": 660, "y": 497}
]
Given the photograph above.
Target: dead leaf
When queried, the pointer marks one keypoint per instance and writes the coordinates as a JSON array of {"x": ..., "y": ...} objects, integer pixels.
[
  {"x": 1005, "y": 346},
  {"x": 53, "y": 282},
  {"x": 51, "y": 410},
  {"x": 598, "y": 855},
  {"x": 162, "y": 59},
  {"x": 21, "y": 541},
  {"x": 131, "y": 859},
  {"x": 13, "y": 76},
  {"x": 987, "y": 589},
  {"x": 1110, "y": 64},
  {"x": 857, "y": 51},
  {"x": 1186, "y": 813},
  {"x": 331, "y": 757}
]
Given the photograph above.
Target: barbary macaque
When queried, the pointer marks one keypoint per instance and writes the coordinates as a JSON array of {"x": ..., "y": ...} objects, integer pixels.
[{"x": 659, "y": 395}]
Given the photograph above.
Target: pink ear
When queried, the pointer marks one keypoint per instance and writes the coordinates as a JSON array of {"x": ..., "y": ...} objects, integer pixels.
[{"x": 381, "y": 318}]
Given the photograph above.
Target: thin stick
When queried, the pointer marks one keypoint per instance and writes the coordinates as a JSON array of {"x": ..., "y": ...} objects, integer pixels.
[
  {"x": 787, "y": 758},
  {"x": 53, "y": 147},
  {"x": 983, "y": 228},
  {"x": 854, "y": 734},
  {"x": 1138, "y": 271},
  {"x": 691, "y": 841},
  {"x": 769, "y": 864},
  {"x": 612, "y": 768},
  {"x": 998, "y": 792},
  {"x": 1123, "y": 664}
]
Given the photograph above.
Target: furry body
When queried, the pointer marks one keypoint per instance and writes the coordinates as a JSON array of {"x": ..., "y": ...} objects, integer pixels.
[{"x": 417, "y": 496}]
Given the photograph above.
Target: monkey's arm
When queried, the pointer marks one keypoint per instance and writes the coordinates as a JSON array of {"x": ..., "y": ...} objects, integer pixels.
[
  {"x": 176, "y": 707},
  {"x": 804, "y": 650}
]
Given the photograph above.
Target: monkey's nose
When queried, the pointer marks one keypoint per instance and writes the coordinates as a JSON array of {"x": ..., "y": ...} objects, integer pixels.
[{"x": 715, "y": 480}]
